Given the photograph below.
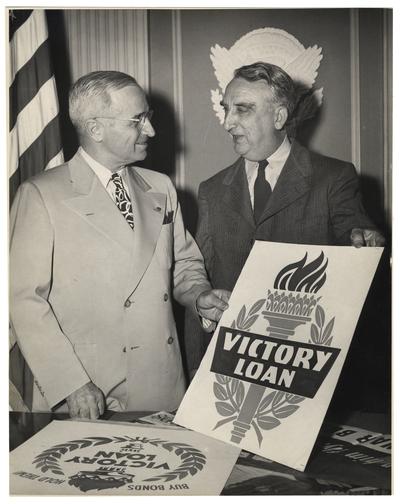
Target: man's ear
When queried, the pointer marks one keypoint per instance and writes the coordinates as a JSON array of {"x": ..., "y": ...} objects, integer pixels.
[
  {"x": 281, "y": 116},
  {"x": 94, "y": 130}
]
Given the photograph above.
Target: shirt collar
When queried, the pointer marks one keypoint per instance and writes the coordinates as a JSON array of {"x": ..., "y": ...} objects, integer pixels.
[
  {"x": 281, "y": 154},
  {"x": 276, "y": 160},
  {"x": 103, "y": 173}
]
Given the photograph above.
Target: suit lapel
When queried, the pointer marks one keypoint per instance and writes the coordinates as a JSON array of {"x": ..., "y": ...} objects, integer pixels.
[
  {"x": 237, "y": 196},
  {"x": 92, "y": 203},
  {"x": 149, "y": 208},
  {"x": 292, "y": 183}
]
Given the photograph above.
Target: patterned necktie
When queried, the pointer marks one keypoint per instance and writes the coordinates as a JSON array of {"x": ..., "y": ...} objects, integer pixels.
[
  {"x": 262, "y": 190},
  {"x": 122, "y": 199}
]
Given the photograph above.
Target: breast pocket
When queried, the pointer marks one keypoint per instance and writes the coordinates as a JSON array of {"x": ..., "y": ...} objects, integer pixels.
[{"x": 164, "y": 247}]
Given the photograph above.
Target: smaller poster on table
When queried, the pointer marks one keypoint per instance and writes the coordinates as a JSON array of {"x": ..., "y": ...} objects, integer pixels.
[{"x": 97, "y": 458}]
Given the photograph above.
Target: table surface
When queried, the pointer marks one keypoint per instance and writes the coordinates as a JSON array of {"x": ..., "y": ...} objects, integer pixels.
[{"x": 253, "y": 475}]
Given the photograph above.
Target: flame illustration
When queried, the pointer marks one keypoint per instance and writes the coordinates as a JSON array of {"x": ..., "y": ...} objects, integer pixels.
[{"x": 302, "y": 277}]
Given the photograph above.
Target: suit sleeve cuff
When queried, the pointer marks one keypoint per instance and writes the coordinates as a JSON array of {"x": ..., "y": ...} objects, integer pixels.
[
  {"x": 207, "y": 325},
  {"x": 54, "y": 398}
]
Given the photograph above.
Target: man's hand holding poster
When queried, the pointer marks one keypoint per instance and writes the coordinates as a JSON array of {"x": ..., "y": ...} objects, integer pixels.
[{"x": 270, "y": 370}]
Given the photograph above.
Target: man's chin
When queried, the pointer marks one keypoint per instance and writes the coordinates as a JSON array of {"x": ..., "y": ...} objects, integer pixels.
[
  {"x": 138, "y": 156},
  {"x": 140, "y": 151},
  {"x": 240, "y": 149}
]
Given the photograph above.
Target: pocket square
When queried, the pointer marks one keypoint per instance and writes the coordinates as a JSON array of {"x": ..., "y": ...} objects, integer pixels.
[{"x": 168, "y": 217}]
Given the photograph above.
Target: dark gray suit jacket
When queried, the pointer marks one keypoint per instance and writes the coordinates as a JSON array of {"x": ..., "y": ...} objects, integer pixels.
[{"x": 316, "y": 201}]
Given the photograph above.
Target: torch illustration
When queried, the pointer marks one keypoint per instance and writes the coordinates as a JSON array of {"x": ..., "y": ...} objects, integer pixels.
[{"x": 284, "y": 311}]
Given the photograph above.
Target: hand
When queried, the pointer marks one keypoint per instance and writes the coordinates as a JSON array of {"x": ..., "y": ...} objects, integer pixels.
[
  {"x": 86, "y": 402},
  {"x": 366, "y": 238},
  {"x": 212, "y": 303}
]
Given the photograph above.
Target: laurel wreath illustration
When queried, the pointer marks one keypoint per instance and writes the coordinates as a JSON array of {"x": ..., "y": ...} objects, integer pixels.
[
  {"x": 321, "y": 334},
  {"x": 276, "y": 405},
  {"x": 193, "y": 460}
]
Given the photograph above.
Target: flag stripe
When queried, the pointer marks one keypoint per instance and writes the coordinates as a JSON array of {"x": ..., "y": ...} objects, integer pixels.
[
  {"x": 14, "y": 183},
  {"x": 17, "y": 18},
  {"x": 31, "y": 121},
  {"x": 42, "y": 153},
  {"x": 28, "y": 80},
  {"x": 26, "y": 41}
]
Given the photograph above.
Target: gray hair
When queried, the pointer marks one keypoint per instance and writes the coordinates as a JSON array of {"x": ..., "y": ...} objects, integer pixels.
[
  {"x": 280, "y": 83},
  {"x": 89, "y": 96}
]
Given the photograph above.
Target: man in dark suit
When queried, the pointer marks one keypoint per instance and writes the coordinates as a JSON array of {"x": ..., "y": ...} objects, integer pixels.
[{"x": 276, "y": 191}]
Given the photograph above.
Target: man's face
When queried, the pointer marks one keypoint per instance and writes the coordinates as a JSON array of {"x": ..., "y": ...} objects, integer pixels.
[
  {"x": 122, "y": 140},
  {"x": 251, "y": 119}
]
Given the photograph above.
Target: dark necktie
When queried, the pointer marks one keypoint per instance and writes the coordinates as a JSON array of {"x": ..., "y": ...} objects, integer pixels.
[
  {"x": 122, "y": 199},
  {"x": 262, "y": 190}
]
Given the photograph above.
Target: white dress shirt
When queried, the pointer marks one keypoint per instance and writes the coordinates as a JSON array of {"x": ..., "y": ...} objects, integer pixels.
[
  {"x": 272, "y": 171},
  {"x": 104, "y": 174}
]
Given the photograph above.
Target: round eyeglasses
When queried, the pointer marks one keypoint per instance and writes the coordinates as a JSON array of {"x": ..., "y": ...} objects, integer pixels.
[{"x": 140, "y": 121}]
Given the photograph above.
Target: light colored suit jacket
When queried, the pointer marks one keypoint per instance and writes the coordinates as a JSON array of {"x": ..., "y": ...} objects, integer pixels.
[
  {"x": 90, "y": 298},
  {"x": 316, "y": 200}
]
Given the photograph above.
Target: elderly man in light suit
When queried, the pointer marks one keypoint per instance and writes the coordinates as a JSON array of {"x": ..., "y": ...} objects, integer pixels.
[{"x": 98, "y": 248}]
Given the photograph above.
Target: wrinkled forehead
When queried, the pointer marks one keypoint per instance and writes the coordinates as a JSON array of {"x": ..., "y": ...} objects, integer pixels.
[
  {"x": 131, "y": 100},
  {"x": 240, "y": 89}
]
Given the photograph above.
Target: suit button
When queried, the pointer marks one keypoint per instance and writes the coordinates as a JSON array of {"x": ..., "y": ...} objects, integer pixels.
[
  {"x": 166, "y": 297},
  {"x": 170, "y": 340},
  {"x": 128, "y": 303},
  {"x": 124, "y": 349}
]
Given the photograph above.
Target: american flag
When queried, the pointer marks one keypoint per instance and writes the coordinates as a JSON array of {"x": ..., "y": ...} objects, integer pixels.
[
  {"x": 34, "y": 136},
  {"x": 35, "y": 140}
]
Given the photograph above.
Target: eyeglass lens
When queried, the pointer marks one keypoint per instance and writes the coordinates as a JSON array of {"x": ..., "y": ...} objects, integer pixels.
[{"x": 146, "y": 115}]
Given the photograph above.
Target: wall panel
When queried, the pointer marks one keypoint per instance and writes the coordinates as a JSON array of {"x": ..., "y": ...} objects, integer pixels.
[
  {"x": 373, "y": 110},
  {"x": 101, "y": 39}
]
